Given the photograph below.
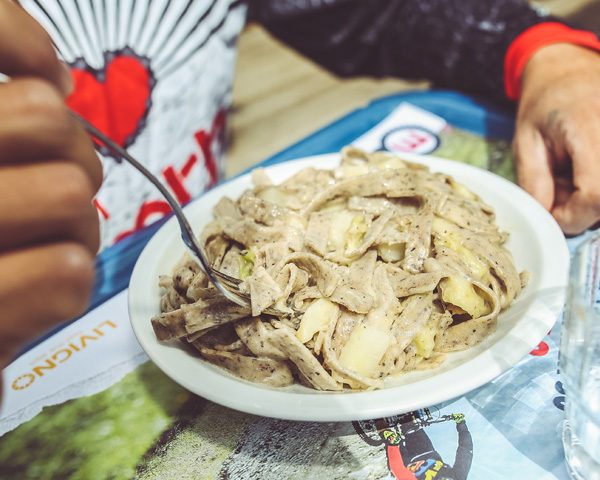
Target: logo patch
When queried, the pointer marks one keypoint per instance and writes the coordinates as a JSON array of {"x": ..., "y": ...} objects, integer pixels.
[{"x": 410, "y": 139}]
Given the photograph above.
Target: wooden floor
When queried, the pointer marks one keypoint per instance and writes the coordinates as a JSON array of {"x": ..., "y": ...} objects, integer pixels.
[{"x": 280, "y": 97}]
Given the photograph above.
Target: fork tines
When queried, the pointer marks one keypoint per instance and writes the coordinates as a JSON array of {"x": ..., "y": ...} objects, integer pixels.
[{"x": 227, "y": 279}]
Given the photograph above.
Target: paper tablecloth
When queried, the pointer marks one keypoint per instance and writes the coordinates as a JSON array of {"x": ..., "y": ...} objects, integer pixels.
[{"x": 86, "y": 403}]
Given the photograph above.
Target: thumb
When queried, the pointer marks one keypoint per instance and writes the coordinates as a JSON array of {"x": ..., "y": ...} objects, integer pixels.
[{"x": 534, "y": 165}]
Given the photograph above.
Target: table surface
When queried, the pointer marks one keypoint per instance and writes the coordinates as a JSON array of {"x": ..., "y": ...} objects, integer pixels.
[
  {"x": 159, "y": 428},
  {"x": 280, "y": 97}
]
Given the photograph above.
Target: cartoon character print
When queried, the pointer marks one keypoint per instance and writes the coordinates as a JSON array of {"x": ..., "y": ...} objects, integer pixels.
[{"x": 410, "y": 452}]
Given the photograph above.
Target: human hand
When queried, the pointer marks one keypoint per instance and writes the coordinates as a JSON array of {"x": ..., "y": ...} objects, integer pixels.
[
  {"x": 49, "y": 174},
  {"x": 557, "y": 142}
]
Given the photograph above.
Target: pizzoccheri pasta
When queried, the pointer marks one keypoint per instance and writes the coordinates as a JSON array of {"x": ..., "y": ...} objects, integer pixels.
[{"x": 377, "y": 268}]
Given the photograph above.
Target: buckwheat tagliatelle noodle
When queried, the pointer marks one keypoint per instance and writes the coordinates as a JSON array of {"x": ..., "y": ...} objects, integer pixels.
[{"x": 375, "y": 268}]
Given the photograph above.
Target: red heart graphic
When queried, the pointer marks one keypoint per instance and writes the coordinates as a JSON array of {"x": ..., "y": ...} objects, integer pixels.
[{"x": 116, "y": 99}]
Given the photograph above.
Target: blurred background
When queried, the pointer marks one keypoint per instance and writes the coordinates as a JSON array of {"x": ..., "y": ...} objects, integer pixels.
[{"x": 279, "y": 97}]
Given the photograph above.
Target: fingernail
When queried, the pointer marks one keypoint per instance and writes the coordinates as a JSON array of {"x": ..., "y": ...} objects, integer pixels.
[{"x": 66, "y": 80}]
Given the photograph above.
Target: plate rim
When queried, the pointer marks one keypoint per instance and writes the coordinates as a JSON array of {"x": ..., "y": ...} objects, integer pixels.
[{"x": 340, "y": 408}]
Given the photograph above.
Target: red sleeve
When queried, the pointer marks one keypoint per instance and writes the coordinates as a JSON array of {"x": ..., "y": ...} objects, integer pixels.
[{"x": 530, "y": 41}]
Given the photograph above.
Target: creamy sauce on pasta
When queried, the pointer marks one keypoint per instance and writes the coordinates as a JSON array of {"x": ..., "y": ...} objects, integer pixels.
[{"x": 375, "y": 268}]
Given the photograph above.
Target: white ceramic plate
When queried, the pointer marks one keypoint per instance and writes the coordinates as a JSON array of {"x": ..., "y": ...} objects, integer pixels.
[{"x": 536, "y": 243}]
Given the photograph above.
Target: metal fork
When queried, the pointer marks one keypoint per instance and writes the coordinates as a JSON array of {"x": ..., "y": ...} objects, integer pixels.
[{"x": 226, "y": 284}]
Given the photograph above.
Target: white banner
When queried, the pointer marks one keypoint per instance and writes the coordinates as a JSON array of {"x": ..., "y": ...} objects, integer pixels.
[{"x": 84, "y": 358}]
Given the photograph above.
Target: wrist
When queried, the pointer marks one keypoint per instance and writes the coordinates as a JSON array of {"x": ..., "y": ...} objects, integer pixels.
[
  {"x": 551, "y": 63},
  {"x": 550, "y": 44}
]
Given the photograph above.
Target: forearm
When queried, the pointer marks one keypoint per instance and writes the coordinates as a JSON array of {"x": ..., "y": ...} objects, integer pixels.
[
  {"x": 464, "y": 452},
  {"x": 455, "y": 43}
]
